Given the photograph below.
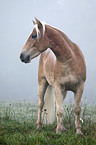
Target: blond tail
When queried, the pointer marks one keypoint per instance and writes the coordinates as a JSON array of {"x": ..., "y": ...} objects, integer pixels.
[{"x": 48, "y": 114}]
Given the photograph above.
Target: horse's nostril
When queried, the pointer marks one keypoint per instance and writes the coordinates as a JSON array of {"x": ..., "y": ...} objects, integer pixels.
[{"x": 21, "y": 56}]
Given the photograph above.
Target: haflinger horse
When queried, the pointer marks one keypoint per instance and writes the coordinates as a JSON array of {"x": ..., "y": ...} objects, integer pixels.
[{"x": 61, "y": 66}]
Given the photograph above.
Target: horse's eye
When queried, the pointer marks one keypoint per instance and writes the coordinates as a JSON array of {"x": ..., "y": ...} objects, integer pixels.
[{"x": 34, "y": 36}]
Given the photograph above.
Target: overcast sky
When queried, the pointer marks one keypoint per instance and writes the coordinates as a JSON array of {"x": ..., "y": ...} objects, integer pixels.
[{"x": 19, "y": 81}]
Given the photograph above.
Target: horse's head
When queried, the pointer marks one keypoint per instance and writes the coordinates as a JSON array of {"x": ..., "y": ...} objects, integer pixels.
[{"x": 36, "y": 43}]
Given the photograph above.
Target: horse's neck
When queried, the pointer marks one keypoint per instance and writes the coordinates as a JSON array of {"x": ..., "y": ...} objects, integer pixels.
[{"x": 58, "y": 44}]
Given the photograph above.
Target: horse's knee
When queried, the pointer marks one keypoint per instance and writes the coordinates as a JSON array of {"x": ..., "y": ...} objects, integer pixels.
[
  {"x": 77, "y": 110},
  {"x": 59, "y": 110},
  {"x": 40, "y": 103}
]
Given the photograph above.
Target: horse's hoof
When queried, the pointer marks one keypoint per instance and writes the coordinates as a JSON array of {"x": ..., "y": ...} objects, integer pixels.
[
  {"x": 58, "y": 131},
  {"x": 63, "y": 129},
  {"x": 79, "y": 132},
  {"x": 39, "y": 126}
]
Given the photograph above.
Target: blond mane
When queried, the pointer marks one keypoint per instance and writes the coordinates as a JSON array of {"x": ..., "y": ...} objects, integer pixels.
[{"x": 38, "y": 31}]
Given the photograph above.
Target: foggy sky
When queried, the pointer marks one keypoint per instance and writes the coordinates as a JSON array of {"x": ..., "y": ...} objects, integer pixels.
[{"x": 19, "y": 81}]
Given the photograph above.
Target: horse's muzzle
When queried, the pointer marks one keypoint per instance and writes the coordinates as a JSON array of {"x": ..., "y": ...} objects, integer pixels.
[{"x": 25, "y": 58}]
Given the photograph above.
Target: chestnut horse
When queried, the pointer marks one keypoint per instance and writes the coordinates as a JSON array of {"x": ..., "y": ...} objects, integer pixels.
[{"x": 61, "y": 66}]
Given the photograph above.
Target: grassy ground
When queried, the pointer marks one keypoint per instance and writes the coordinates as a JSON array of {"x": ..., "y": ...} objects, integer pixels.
[{"x": 18, "y": 126}]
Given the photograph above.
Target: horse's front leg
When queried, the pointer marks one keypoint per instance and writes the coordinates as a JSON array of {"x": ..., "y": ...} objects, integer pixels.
[
  {"x": 41, "y": 92},
  {"x": 59, "y": 108}
]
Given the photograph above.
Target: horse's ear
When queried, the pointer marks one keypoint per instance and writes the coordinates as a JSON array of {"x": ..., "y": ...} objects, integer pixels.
[
  {"x": 38, "y": 23},
  {"x": 33, "y": 22}
]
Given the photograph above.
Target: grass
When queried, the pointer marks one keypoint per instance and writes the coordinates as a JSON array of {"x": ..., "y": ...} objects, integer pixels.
[{"x": 18, "y": 126}]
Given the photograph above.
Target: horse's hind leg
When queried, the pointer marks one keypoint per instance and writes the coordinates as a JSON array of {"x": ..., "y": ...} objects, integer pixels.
[
  {"x": 41, "y": 92},
  {"x": 62, "y": 126},
  {"x": 77, "y": 108}
]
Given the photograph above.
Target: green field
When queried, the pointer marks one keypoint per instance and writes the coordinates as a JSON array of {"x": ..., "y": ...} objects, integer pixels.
[{"x": 18, "y": 126}]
